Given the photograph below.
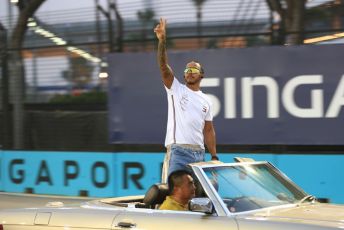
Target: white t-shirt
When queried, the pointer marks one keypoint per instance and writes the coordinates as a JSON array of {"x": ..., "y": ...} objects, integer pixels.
[{"x": 187, "y": 112}]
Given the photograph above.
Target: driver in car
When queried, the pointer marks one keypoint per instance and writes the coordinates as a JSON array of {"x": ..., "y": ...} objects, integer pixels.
[{"x": 181, "y": 190}]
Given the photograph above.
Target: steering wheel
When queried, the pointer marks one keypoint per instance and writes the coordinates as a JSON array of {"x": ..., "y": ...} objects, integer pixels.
[
  {"x": 231, "y": 202},
  {"x": 236, "y": 204}
]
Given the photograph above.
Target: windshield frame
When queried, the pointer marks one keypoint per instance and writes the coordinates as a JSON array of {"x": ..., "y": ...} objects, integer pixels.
[{"x": 209, "y": 189}]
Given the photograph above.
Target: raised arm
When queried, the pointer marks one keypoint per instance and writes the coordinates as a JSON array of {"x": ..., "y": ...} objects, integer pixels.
[{"x": 165, "y": 69}]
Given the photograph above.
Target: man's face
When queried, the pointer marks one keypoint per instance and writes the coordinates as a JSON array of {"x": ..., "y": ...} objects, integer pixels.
[
  {"x": 192, "y": 73},
  {"x": 187, "y": 187}
]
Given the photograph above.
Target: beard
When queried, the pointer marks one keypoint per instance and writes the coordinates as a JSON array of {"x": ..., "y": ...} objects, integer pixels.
[{"x": 192, "y": 81}]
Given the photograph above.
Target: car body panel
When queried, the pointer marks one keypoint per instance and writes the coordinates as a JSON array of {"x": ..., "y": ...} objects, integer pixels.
[
  {"x": 171, "y": 220},
  {"x": 249, "y": 223},
  {"x": 315, "y": 211},
  {"x": 245, "y": 196},
  {"x": 22, "y": 216}
]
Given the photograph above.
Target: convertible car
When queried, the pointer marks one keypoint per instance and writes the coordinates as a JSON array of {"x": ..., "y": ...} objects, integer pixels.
[{"x": 233, "y": 196}]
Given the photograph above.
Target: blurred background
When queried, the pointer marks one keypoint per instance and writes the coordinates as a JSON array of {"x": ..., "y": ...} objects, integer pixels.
[
  {"x": 53, "y": 55},
  {"x": 55, "y": 82}
]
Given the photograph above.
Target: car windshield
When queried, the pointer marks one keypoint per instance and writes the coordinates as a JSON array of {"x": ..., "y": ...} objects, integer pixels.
[{"x": 248, "y": 187}]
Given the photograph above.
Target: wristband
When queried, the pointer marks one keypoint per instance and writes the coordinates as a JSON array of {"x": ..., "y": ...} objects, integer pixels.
[{"x": 214, "y": 158}]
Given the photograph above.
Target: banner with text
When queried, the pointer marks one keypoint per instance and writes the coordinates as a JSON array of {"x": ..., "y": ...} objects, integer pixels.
[
  {"x": 99, "y": 174},
  {"x": 267, "y": 95},
  {"x": 93, "y": 174}
]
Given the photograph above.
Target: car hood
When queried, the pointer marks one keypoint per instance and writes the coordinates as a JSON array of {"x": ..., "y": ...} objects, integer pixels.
[{"x": 306, "y": 213}]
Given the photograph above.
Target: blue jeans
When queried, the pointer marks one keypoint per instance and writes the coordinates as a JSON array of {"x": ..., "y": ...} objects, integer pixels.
[{"x": 181, "y": 156}]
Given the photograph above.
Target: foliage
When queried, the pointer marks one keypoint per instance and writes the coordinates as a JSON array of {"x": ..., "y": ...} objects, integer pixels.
[
  {"x": 198, "y": 3},
  {"x": 80, "y": 72},
  {"x": 317, "y": 13},
  {"x": 291, "y": 27},
  {"x": 212, "y": 43},
  {"x": 92, "y": 97},
  {"x": 146, "y": 16},
  {"x": 256, "y": 40}
]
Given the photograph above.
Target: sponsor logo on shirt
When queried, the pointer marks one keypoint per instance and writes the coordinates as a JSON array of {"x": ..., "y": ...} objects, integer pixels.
[{"x": 183, "y": 101}]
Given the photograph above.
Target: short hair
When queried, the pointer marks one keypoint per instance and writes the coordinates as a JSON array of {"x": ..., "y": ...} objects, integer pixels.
[{"x": 176, "y": 179}]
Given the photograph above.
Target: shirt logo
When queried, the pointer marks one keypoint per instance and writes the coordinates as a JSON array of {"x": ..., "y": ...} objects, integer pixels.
[
  {"x": 204, "y": 109},
  {"x": 184, "y": 101}
]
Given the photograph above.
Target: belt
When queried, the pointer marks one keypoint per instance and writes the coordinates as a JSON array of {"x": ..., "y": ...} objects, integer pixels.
[{"x": 188, "y": 146}]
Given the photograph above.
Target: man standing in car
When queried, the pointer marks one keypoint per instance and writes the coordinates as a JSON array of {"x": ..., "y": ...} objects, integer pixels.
[{"x": 189, "y": 122}]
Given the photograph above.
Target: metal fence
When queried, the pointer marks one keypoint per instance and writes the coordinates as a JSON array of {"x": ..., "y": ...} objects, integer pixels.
[{"x": 64, "y": 52}]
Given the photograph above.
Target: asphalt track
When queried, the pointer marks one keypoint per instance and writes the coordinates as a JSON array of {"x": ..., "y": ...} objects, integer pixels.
[{"x": 18, "y": 200}]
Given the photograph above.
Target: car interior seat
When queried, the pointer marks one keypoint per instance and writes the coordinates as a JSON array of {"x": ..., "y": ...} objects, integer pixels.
[
  {"x": 155, "y": 195},
  {"x": 199, "y": 192}
]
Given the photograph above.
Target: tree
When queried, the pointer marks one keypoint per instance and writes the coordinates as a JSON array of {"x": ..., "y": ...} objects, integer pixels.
[
  {"x": 292, "y": 23},
  {"x": 199, "y": 6},
  {"x": 80, "y": 73},
  {"x": 146, "y": 17},
  {"x": 27, "y": 8},
  {"x": 119, "y": 27}
]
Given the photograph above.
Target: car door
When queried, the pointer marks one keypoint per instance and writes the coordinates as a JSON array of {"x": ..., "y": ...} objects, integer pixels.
[{"x": 145, "y": 219}]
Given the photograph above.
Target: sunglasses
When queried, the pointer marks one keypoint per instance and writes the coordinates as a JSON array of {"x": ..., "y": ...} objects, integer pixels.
[{"x": 192, "y": 70}]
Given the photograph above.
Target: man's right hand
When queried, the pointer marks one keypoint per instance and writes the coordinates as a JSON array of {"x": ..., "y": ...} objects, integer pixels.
[
  {"x": 166, "y": 72},
  {"x": 160, "y": 29}
]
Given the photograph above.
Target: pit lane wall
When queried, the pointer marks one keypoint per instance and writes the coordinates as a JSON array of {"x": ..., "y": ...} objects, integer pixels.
[{"x": 100, "y": 174}]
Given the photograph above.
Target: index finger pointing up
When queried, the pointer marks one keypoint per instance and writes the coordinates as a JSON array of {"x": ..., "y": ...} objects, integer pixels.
[{"x": 163, "y": 22}]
